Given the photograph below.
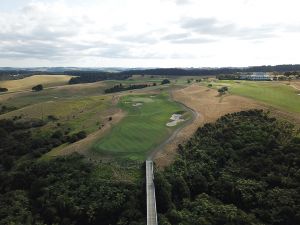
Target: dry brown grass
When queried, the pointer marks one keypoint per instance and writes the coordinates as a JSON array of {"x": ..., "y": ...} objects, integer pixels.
[
  {"x": 296, "y": 84},
  {"x": 210, "y": 106},
  {"x": 28, "y": 82}
]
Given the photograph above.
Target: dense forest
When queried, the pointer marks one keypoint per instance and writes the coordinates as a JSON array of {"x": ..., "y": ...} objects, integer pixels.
[
  {"x": 121, "y": 87},
  {"x": 243, "y": 169},
  {"x": 59, "y": 191},
  {"x": 93, "y": 76}
]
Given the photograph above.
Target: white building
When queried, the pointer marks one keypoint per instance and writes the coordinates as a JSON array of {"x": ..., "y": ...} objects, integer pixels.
[{"x": 256, "y": 76}]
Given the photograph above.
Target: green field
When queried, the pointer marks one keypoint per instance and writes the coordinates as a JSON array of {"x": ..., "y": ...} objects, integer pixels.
[
  {"x": 142, "y": 129},
  {"x": 276, "y": 94}
]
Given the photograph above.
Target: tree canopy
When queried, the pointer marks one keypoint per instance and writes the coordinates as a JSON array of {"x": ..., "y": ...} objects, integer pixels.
[{"x": 243, "y": 169}]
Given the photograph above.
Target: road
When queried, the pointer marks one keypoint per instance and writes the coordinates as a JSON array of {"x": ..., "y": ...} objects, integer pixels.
[{"x": 150, "y": 189}]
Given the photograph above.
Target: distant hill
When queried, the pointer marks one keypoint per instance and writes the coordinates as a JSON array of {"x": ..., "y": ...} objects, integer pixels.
[{"x": 17, "y": 73}]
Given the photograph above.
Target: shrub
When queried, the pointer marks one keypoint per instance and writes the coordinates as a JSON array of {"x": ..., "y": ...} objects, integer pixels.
[
  {"x": 3, "y": 89},
  {"x": 38, "y": 87},
  {"x": 165, "y": 81}
]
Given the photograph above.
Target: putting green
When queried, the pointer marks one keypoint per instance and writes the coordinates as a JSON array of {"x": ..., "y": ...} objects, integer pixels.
[{"x": 142, "y": 129}]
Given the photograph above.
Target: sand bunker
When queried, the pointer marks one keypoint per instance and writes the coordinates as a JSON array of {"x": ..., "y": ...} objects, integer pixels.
[
  {"x": 137, "y": 104},
  {"x": 176, "y": 118}
]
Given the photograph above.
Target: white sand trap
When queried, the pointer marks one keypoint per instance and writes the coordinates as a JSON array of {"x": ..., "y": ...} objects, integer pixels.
[
  {"x": 298, "y": 94},
  {"x": 176, "y": 118},
  {"x": 137, "y": 104},
  {"x": 152, "y": 96}
]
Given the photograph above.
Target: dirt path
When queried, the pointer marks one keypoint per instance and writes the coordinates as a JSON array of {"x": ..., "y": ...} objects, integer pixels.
[
  {"x": 294, "y": 86},
  {"x": 209, "y": 106}
]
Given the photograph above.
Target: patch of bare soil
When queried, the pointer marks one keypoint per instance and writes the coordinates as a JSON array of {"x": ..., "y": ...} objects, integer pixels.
[
  {"x": 85, "y": 144},
  {"x": 296, "y": 85},
  {"x": 209, "y": 106}
]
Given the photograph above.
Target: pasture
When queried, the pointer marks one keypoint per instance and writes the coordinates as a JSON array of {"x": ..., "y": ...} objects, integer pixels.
[
  {"x": 277, "y": 94},
  {"x": 73, "y": 115},
  {"x": 58, "y": 93},
  {"x": 28, "y": 82},
  {"x": 143, "y": 128}
]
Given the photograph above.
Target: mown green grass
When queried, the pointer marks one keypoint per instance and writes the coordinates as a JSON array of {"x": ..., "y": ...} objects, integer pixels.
[
  {"x": 141, "y": 130},
  {"x": 275, "y": 94}
]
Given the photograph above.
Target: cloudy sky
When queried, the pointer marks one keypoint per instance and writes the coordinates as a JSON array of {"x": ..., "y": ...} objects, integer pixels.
[{"x": 149, "y": 33}]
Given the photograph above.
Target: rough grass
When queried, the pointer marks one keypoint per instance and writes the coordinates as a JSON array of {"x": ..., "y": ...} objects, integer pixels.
[
  {"x": 116, "y": 172},
  {"x": 28, "y": 82},
  {"x": 52, "y": 94},
  {"x": 143, "y": 128},
  {"x": 275, "y": 94},
  {"x": 73, "y": 114}
]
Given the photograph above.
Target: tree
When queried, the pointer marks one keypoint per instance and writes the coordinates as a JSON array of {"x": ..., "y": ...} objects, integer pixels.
[
  {"x": 38, "y": 87},
  {"x": 222, "y": 90},
  {"x": 3, "y": 89},
  {"x": 165, "y": 81}
]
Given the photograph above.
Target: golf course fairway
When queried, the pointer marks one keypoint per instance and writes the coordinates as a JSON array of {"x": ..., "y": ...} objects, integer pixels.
[{"x": 143, "y": 128}]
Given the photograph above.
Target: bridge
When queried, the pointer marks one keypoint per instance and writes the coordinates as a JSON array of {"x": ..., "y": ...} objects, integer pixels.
[{"x": 150, "y": 191}]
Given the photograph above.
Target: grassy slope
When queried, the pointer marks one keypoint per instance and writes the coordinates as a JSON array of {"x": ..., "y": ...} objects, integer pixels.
[
  {"x": 28, "y": 82},
  {"x": 142, "y": 129},
  {"x": 20, "y": 100},
  {"x": 273, "y": 93},
  {"x": 76, "y": 114}
]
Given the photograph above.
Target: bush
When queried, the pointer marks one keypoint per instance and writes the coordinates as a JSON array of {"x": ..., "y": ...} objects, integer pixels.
[
  {"x": 222, "y": 90},
  {"x": 165, "y": 81},
  {"x": 38, "y": 88},
  {"x": 3, "y": 89},
  {"x": 77, "y": 136},
  {"x": 52, "y": 118}
]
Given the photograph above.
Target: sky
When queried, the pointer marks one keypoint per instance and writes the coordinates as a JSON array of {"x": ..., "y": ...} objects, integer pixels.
[{"x": 149, "y": 33}]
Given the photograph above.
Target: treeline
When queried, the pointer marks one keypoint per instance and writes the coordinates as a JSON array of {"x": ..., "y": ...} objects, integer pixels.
[
  {"x": 243, "y": 169},
  {"x": 90, "y": 76},
  {"x": 212, "y": 71},
  {"x": 65, "y": 190},
  {"x": 292, "y": 73},
  {"x": 121, "y": 87}
]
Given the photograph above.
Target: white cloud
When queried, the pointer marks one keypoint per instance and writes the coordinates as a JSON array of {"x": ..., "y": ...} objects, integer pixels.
[{"x": 160, "y": 33}]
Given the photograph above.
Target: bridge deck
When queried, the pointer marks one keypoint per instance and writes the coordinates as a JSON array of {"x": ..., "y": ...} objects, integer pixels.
[{"x": 151, "y": 202}]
